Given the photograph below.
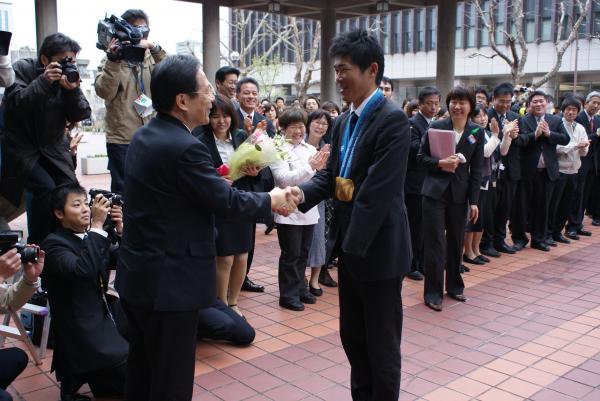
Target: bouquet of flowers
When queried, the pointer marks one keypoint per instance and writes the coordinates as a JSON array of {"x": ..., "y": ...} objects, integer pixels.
[{"x": 258, "y": 150}]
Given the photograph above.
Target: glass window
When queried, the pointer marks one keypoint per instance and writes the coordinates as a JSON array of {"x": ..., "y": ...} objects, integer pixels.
[
  {"x": 431, "y": 28},
  {"x": 385, "y": 32},
  {"x": 396, "y": 21},
  {"x": 460, "y": 9},
  {"x": 546, "y": 20},
  {"x": 470, "y": 25},
  {"x": 407, "y": 31},
  {"x": 500, "y": 20},
  {"x": 484, "y": 36},
  {"x": 529, "y": 20},
  {"x": 420, "y": 28},
  {"x": 596, "y": 18}
]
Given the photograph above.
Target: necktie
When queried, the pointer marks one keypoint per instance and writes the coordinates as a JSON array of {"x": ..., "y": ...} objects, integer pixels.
[
  {"x": 592, "y": 125},
  {"x": 353, "y": 121}
]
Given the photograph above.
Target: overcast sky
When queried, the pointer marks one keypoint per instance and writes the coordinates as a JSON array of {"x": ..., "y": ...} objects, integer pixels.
[{"x": 171, "y": 21}]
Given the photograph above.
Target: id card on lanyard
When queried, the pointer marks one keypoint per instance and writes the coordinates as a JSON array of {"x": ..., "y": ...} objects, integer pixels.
[{"x": 142, "y": 104}]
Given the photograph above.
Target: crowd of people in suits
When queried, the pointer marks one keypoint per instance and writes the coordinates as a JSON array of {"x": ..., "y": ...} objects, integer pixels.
[{"x": 533, "y": 170}]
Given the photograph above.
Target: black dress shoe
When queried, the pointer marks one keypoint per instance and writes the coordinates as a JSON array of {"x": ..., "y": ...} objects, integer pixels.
[
  {"x": 505, "y": 248},
  {"x": 292, "y": 304},
  {"x": 572, "y": 235},
  {"x": 518, "y": 245},
  {"x": 458, "y": 297},
  {"x": 551, "y": 242},
  {"x": 251, "y": 286},
  {"x": 270, "y": 228},
  {"x": 463, "y": 269},
  {"x": 560, "y": 238},
  {"x": 472, "y": 261},
  {"x": 585, "y": 233},
  {"x": 596, "y": 222},
  {"x": 483, "y": 259},
  {"x": 326, "y": 279},
  {"x": 541, "y": 246},
  {"x": 435, "y": 307},
  {"x": 489, "y": 251},
  {"x": 308, "y": 298},
  {"x": 317, "y": 292},
  {"x": 415, "y": 275}
]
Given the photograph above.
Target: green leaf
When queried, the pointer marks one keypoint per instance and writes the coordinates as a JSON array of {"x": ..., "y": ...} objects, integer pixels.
[{"x": 258, "y": 147}]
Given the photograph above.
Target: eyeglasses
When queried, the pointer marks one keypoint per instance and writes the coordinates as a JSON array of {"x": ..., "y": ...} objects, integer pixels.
[
  {"x": 211, "y": 92},
  {"x": 321, "y": 123}
]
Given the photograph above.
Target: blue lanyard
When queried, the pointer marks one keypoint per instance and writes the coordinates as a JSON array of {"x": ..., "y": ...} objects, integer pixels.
[{"x": 350, "y": 139}]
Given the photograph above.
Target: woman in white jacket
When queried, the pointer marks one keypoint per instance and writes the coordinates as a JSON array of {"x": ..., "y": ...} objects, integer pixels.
[{"x": 296, "y": 230}]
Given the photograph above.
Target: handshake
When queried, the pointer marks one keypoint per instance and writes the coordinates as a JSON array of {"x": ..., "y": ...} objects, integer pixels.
[{"x": 285, "y": 201}]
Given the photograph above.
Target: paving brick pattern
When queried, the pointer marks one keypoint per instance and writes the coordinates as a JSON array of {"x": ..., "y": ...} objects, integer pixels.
[{"x": 529, "y": 331}]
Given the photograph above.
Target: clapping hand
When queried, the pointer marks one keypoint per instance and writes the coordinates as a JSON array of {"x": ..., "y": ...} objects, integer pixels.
[
  {"x": 318, "y": 161},
  {"x": 285, "y": 201},
  {"x": 494, "y": 127}
]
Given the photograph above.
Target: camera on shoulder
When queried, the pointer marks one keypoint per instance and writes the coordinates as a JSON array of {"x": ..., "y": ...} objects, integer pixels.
[
  {"x": 12, "y": 240},
  {"x": 129, "y": 38}
]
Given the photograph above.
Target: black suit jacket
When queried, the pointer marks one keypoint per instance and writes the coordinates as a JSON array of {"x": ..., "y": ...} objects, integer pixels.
[
  {"x": 371, "y": 231},
  {"x": 172, "y": 192},
  {"x": 464, "y": 183},
  {"x": 256, "y": 118},
  {"x": 512, "y": 160},
  {"x": 415, "y": 172},
  {"x": 76, "y": 274},
  {"x": 542, "y": 145},
  {"x": 593, "y": 156}
]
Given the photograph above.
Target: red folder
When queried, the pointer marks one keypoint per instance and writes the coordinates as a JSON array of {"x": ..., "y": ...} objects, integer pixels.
[{"x": 442, "y": 144}]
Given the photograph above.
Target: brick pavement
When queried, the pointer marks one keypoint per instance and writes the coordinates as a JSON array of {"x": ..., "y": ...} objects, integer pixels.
[{"x": 529, "y": 331}]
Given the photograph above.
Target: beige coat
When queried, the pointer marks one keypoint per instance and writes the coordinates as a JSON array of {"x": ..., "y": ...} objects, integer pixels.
[
  {"x": 118, "y": 84},
  {"x": 15, "y": 296}
]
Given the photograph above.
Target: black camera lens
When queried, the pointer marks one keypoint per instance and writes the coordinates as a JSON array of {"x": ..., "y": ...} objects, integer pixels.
[{"x": 29, "y": 254}]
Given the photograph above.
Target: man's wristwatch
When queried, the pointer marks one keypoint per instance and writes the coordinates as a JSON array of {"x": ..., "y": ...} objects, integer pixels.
[{"x": 36, "y": 284}]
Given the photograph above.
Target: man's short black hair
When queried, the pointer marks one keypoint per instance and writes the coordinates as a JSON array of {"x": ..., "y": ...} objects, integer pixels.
[
  {"x": 462, "y": 93},
  {"x": 429, "y": 91},
  {"x": 58, "y": 196},
  {"x": 572, "y": 101},
  {"x": 362, "y": 48},
  {"x": 133, "y": 14},
  {"x": 57, "y": 43},
  {"x": 502, "y": 89},
  {"x": 174, "y": 75},
  {"x": 481, "y": 89},
  {"x": 224, "y": 71},
  {"x": 246, "y": 80},
  {"x": 279, "y": 98},
  {"x": 388, "y": 81},
  {"x": 535, "y": 93}
]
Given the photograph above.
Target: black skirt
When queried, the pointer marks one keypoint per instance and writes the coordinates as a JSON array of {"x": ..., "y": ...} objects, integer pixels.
[{"x": 233, "y": 236}]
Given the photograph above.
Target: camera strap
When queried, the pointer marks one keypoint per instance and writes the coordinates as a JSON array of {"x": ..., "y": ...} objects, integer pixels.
[
  {"x": 139, "y": 78},
  {"x": 105, "y": 301}
]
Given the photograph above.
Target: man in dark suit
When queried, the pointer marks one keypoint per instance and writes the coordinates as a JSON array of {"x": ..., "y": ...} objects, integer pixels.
[
  {"x": 429, "y": 103},
  {"x": 510, "y": 166},
  {"x": 166, "y": 268},
  {"x": 589, "y": 170},
  {"x": 247, "y": 95},
  {"x": 541, "y": 133},
  {"x": 87, "y": 346},
  {"x": 369, "y": 228}
]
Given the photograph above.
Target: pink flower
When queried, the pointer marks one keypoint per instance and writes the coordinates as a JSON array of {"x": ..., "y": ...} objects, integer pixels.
[{"x": 223, "y": 170}]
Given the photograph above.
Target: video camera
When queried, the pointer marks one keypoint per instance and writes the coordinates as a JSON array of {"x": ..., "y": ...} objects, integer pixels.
[
  {"x": 115, "y": 199},
  {"x": 11, "y": 239},
  {"x": 69, "y": 69},
  {"x": 5, "y": 37},
  {"x": 128, "y": 36}
]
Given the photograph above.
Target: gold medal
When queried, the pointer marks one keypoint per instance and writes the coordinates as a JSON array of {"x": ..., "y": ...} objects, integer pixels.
[{"x": 344, "y": 189}]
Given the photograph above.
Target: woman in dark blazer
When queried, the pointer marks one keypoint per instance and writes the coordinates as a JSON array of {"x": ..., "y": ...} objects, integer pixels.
[
  {"x": 234, "y": 238},
  {"x": 450, "y": 198}
]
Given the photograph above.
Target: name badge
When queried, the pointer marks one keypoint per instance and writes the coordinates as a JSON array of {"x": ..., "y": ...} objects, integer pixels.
[
  {"x": 344, "y": 189},
  {"x": 143, "y": 106},
  {"x": 471, "y": 139}
]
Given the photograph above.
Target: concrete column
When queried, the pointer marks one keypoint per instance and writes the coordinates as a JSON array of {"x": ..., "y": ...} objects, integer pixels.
[
  {"x": 328, "y": 86},
  {"x": 211, "y": 54},
  {"x": 446, "y": 42},
  {"x": 46, "y": 21}
]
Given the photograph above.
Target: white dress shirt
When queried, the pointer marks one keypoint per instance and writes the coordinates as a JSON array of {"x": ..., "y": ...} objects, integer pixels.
[{"x": 225, "y": 148}]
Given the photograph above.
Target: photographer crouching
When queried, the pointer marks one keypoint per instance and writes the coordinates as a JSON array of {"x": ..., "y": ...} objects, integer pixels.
[
  {"x": 88, "y": 347},
  {"x": 44, "y": 96},
  {"x": 13, "y": 360}
]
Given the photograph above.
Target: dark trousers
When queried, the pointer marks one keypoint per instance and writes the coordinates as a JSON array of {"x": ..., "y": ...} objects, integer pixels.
[
  {"x": 540, "y": 207},
  {"x": 294, "y": 242},
  {"x": 371, "y": 332},
  {"x": 505, "y": 194},
  {"x": 13, "y": 361},
  {"x": 162, "y": 348},
  {"x": 251, "y": 251},
  {"x": 593, "y": 203},
  {"x": 521, "y": 212},
  {"x": 109, "y": 382},
  {"x": 415, "y": 217},
  {"x": 44, "y": 177},
  {"x": 220, "y": 322},
  {"x": 561, "y": 202},
  {"x": 116, "y": 164},
  {"x": 444, "y": 222},
  {"x": 486, "y": 214},
  {"x": 585, "y": 181}
]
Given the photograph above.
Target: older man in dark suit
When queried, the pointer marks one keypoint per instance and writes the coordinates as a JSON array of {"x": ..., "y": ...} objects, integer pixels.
[
  {"x": 166, "y": 269},
  {"x": 369, "y": 229},
  {"x": 541, "y": 132},
  {"x": 429, "y": 103}
]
